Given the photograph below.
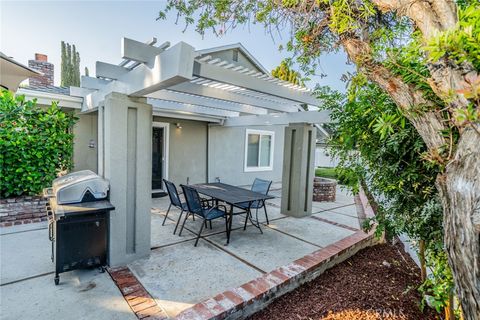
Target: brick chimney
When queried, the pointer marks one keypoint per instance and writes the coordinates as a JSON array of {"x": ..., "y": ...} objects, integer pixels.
[{"x": 41, "y": 65}]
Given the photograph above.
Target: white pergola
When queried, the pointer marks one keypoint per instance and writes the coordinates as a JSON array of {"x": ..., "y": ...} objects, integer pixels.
[
  {"x": 183, "y": 83},
  {"x": 180, "y": 82}
]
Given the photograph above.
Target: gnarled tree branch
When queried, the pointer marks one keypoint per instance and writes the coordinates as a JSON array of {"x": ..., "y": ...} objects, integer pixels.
[
  {"x": 428, "y": 124},
  {"x": 432, "y": 17}
]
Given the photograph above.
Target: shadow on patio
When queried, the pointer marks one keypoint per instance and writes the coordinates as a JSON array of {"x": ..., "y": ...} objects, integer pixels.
[{"x": 179, "y": 275}]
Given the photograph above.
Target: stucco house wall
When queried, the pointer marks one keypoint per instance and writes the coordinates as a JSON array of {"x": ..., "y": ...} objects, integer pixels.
[
  {"x": 187, "y": 150},
  {"x": 187, "y": 153},
  {"x": 84, "y": 152},
  {"x": 188, "y": 145},
  {"x": 227, "y": 155}
]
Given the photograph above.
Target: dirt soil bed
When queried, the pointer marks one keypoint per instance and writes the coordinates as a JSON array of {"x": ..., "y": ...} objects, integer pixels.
[{"x": 377, "y": 283}]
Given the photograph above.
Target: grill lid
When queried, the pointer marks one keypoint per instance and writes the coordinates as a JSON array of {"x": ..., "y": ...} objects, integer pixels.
[{"x": 77, "y": 187}]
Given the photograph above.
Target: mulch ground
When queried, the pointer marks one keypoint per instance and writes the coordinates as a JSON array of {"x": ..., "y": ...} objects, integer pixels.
[{"x": 379, "y": 282}]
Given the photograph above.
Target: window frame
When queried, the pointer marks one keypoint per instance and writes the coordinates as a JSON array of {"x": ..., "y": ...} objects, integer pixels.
[{"x": 272, "y": 144}]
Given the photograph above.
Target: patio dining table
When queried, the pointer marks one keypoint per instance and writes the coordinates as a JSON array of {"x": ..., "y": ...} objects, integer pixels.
[{"x": 231, "y": 195}]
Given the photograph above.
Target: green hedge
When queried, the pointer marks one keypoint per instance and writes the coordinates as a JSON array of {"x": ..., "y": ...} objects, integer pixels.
[{"x": 35, "y": 145}]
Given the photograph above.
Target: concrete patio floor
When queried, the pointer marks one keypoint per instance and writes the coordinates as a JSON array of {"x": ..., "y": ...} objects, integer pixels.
[{"x": 177, "y": 274}]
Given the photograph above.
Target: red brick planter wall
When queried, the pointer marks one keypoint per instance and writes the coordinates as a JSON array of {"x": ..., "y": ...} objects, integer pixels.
[
  {"x": 324, "y": 189},
  {"x": 22, "y": 210}
]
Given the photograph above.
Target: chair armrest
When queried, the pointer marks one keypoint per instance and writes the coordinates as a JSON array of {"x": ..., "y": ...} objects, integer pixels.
[
  {"x": 222, "y": 206},
  {"x": 207, "y": 202}
]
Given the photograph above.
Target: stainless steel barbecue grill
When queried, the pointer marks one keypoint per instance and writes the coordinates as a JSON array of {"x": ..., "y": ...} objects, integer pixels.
[{"x": 78, "y": 215}]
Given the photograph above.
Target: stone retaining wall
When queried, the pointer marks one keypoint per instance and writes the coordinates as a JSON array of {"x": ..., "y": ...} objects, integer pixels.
[
  {"x": 324, "y": 189},
  {"x": 22, "y": 210}
]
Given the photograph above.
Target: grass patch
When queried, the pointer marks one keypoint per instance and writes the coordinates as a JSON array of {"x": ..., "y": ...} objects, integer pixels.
[{"x": 325, "y": 172}]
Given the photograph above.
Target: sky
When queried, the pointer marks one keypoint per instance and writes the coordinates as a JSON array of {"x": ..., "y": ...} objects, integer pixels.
[{"x": 96, "y": 28}]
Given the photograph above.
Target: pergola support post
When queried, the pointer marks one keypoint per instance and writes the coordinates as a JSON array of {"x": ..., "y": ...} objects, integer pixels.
[
  {"x": 298, "y": 169},
  {"x": 125, "y": 140}
]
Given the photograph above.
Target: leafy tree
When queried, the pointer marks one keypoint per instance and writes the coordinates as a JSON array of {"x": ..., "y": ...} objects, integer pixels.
[
  {"x": 70, "y": 66},
  {"x": 285, "y": 72},
  {"x": 35, "y": 145},
  {"x": 437, "y": 90},
  {"x": 63, "y": 67},
  {"x": 378, "y": 148}
]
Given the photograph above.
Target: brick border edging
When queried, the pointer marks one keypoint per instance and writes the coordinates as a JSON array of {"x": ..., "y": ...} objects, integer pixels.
[
  {"x": 254, "y": 295},
  {"x": 138, "y": 299},
  {"x": 367, "y": 208}
]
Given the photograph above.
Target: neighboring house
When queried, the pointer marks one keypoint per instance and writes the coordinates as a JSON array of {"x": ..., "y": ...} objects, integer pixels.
[
  {"x": 323, "y": 157},
  {"x": 186, "y": 115},
  {"x": 12, "y": 73}
]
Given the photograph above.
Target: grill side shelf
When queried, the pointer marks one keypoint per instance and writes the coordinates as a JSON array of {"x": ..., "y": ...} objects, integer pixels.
[{"x": 60, "y": 210}]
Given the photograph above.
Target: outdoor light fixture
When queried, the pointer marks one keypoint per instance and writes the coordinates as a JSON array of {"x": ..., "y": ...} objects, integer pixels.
[{"x": 179, "y": 126}]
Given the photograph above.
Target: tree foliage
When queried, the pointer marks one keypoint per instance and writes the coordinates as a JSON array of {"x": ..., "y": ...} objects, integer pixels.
[
  {"x": 70, "y": 66},
  {"x": 377, "y": 147},
  {"x": 285, "y": 72},
  {"x": 424, "y": 56},
  {"x": 35, "y": 145}
]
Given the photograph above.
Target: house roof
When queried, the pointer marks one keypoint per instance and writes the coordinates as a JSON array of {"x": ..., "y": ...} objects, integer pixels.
[
  {"x": 13, "y": 72},
  {"x": 240, "y": 48},
  {"x": 45, "y": 95},
  {"x": 49, "y": 89}
]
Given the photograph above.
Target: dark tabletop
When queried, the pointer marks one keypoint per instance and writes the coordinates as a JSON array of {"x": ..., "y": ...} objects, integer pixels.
[{"x": 228, "y": 193}]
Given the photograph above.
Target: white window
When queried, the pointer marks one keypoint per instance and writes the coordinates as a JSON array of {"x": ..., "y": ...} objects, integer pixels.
[{"x": 259, "y": 150}]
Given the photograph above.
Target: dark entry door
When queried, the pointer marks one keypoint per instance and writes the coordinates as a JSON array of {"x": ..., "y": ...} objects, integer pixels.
[{"x": 157, "y": 157}]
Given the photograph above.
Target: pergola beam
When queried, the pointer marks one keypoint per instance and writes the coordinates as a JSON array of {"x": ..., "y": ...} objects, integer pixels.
[
  {"x": 313, "y": 117},
  {"x": 206, "y": 102},
  {"x": 109, "y": 71},
  {"x": 189, "y": 108},
  {"x": 215, "y": 73},
  {"x": 139, "y": 51},
  {"x": 230, "y": 96},
  {"x": 157, "y": 112},
  {"x": 93, "y": 83},
  {"x": 171, "y": 67}
]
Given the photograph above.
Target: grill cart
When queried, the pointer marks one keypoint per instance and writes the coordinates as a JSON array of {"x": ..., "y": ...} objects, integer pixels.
[{"x": 78, "y": 220}]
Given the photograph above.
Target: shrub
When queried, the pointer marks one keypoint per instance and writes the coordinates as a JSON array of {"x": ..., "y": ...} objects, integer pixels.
[{"x": 35, "y": 145}]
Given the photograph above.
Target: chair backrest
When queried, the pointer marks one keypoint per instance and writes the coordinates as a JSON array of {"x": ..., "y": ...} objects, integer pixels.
[
  {"x": 194, "y": 203},
  {"x": 173, "y": 193},
  {"x": 261, "y": 186}
]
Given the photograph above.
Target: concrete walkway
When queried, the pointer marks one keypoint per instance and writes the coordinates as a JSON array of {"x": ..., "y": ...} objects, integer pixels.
[
  {"x": 27, "y": 290},
  {"x": 177, "y": 274}
]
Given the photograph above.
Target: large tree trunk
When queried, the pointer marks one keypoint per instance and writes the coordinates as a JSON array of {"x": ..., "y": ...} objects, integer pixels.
[
  {"x": 460, "y": 193},
  {"x": 459, "y": 186}
]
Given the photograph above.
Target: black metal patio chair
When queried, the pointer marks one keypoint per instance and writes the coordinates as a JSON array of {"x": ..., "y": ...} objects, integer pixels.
[
  {"x": 201, "y": 209},
  {"x": 260, "y": 186},
  {"x": 174, "y": 201}
]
